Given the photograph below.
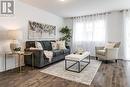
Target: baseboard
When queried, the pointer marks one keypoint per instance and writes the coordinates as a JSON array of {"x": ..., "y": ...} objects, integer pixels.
[
  {"x": 125, "y": 60},
  {"x": 117, "y": 59}
]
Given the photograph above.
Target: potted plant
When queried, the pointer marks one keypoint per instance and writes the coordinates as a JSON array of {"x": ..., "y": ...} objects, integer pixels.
[{"x": 66, "y": 32}]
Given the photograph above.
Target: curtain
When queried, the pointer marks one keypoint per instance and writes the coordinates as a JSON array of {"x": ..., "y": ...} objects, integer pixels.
[
  {"x": 88, "y": 32},
  {"x": 127, "y": 34}
]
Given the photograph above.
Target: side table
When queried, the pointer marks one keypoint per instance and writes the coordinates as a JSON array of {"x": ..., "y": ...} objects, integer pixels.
[{"x": 19, "y": 58}]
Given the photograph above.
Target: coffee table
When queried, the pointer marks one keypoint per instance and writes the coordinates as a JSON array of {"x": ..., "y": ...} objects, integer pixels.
[{"x": 77, "y": 59}]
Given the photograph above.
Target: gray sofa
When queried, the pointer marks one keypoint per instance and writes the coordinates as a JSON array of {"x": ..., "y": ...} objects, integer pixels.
[{"x": 40, "y": 60}]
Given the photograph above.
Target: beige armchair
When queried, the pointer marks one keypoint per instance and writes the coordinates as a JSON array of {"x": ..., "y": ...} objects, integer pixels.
[{"x": 108, "y": 53}]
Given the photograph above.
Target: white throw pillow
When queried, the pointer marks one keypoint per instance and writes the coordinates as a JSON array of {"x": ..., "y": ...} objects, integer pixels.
[
  {"x": 38, "y": 45},
  {"x": 110, "y": 45},
  {"x": 61, "y": 45},
  {"x": 54, "y": 45}
]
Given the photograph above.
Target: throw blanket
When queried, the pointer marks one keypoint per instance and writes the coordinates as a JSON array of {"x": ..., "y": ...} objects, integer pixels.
[{"x": 49, "y": 55}]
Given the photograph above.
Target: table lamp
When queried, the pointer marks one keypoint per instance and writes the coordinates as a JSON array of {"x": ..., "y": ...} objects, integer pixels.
[{"x": 14, "y": 35}]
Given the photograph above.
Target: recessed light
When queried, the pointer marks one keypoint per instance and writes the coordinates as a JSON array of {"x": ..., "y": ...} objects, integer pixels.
[{"x": 62, "y": 0}]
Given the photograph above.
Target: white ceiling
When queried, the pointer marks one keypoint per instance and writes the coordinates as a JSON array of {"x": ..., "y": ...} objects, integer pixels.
[{"x": 70, "y": 8}]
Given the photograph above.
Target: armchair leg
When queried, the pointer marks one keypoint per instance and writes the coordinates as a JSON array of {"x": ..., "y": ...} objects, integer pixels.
[
  {"x": 96, "y": 58},
  {"x": 106, "y": 61},
  {"x": 116, "y": 61}
]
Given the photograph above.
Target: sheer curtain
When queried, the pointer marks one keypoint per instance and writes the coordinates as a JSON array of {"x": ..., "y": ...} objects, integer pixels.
[
  {"x": 88, "y": 32},
  {"x": 127, "y": 34}
]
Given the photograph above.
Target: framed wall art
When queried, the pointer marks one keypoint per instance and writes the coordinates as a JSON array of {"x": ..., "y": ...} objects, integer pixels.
[{"x": 41, "y": 31}]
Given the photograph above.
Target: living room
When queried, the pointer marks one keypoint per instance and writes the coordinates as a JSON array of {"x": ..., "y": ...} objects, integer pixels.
[{"x": 64, "y": 43}]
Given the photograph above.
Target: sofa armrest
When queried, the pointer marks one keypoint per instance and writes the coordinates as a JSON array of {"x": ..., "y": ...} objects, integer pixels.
[
  {"x": 68, "y": 47},
  {"x": 112, "y": 53},
  {"x": 38, "y": 55},
  {"x": 26, "y": 49}
]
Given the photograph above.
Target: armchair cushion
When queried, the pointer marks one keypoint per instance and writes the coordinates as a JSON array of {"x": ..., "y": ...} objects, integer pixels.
[
  {"x": 117, "y": 44},
  {"x": 99, "y": 48},
  {"x": 101, "y": 52},
  {"x": 109, "y": 45}
]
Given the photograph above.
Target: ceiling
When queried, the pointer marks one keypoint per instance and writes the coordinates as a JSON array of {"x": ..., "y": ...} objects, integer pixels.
[{"x": 71, "y": 8}]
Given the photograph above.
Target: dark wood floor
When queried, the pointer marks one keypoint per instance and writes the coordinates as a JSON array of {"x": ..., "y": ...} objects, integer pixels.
[{"x": 108, "y": 75}]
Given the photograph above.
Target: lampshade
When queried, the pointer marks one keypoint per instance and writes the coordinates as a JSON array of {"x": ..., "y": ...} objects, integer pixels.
[{"x": 14, "y": 35}]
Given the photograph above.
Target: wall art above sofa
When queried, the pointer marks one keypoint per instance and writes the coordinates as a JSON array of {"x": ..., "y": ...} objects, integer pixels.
[{"x": 41, "y": 31}]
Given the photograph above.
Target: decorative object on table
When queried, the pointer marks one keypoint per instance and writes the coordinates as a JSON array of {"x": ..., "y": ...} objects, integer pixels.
[
  {"x": 40, "y": 31},
  {"x": 17, "y": 49},
  {"x": 15, "y": 36},
  {"x": 79, "y": 51},
  {"x": 66, "y": 34}
]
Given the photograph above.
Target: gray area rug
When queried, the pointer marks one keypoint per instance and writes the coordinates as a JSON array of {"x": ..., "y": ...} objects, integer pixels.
[{"x": 84, "y": 77}]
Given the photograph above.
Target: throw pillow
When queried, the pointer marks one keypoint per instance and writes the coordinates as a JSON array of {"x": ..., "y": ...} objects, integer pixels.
[
  {"x": 54, "y": 45},
  {"x": 38, "y": 45},
  {"x": 61, "y": 45},
  {"x": 110, "y": 45}
]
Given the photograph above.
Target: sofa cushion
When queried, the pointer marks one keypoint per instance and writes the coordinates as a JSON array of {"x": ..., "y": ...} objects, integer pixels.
[
  {"x": 38, "y": 45},
  {"x": 47, "y": 45},
  {"x": 57, "y": 52},
  {"x": 54, "y": 45},
  {"x": 101, "y": 52},
  {"x": 30, "y": 44},
  {"x": 61, "y": 45}
]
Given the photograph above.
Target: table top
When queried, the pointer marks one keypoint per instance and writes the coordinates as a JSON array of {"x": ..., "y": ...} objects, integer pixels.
[
  {"x": 77, "y": 57},
  {"x": 21, "y": 53}
]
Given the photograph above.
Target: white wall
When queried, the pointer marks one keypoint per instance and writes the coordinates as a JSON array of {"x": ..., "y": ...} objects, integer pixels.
[
  {"x": 68, "y": 22},
  {"x": 114, "y": 28},
  {"x": 23, "y": 13}
]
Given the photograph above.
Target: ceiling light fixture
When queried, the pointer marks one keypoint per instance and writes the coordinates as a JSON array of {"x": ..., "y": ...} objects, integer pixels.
[{"x": 62, "y": 0}]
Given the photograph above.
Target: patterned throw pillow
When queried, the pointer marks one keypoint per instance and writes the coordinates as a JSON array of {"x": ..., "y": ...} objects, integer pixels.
[
  {"x": 54, "y": 45},
  {"x": 61, "y": 44},
  {"x": 38, "y": 45}
]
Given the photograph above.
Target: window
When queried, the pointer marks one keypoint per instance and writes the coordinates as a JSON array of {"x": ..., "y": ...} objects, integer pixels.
[{"x": 90, "y": 31}]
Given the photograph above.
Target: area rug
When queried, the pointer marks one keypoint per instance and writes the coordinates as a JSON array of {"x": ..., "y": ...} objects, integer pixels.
[{"x": 84, "y": 77}]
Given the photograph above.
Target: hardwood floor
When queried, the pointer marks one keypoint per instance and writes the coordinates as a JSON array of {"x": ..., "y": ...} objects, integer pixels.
[{"x": 108, "y": 75}]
